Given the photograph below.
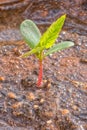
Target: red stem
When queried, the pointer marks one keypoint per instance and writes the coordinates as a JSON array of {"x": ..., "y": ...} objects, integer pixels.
[{"x": 40, "y": 74}]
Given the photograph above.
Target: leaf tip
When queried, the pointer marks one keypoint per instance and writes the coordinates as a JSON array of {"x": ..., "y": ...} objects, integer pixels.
[
  {"x": 71, "y": 43},
  {"x": 64, "y": 16}
]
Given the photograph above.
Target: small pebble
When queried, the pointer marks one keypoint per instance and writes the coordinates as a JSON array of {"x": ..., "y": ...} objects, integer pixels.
[
  {"x": 47, "y": 84},
  {"x": 65, "y": 111},
  {"x": 17, "y": 113},
  {"x": 36, "y": 107},
  {"x": 83, "y": 60},
  {"x": 17, "y": 105},
  {"x": 74, "y": 107},
  {"x": 2, "y": 78},
  {"x": 42, "y": 100},
  {"x": 44, "y": 81},
  {"x": 49, "y": 121},
  {"x": 48, "y": 114},
  {"x": 30, "y": 96},
  {"x": 64, "y": 32},
  {"x": 11, "y": 95}
]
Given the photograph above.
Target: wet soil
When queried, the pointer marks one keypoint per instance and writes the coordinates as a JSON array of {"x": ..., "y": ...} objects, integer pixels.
[
  {"x": 43, "y": 13},
  {"x": 61, "y": 102}
]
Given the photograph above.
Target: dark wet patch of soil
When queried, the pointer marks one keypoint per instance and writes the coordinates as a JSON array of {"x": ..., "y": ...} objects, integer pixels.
[{"x": 60, "y": 104}]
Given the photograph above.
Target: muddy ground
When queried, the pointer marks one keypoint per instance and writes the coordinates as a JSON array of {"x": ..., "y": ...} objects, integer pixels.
[{"x": 61, "y": 102}]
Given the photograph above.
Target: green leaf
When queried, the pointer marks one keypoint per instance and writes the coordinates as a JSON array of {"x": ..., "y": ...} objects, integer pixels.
[
  {"x": 59, "y": 46},
  {"x": 49, "y": 37},
  {"x": 33, "y": 51},
  {"x": 30, "y": 33}
]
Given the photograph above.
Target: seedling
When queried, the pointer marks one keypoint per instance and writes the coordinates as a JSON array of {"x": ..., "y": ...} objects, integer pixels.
[{"x": 44, "y": 45}]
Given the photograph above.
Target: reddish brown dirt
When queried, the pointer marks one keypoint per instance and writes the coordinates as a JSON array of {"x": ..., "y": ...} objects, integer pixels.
[{"x": 60, "y": 104}]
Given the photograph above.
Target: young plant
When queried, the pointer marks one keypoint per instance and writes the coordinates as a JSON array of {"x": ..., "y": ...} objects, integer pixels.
[{"x": 43, "y": 45}]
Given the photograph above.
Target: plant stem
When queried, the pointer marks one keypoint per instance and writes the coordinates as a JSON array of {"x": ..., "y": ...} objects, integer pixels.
[{"x": 40, "y": 73}]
